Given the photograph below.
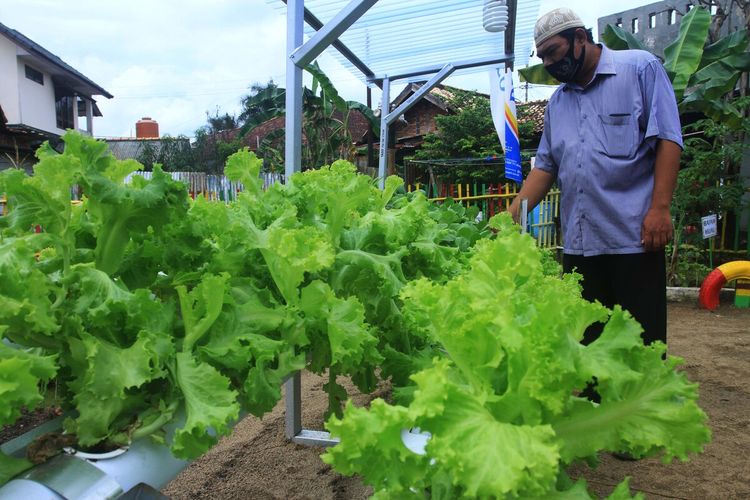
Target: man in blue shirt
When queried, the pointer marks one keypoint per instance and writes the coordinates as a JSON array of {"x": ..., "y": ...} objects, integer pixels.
[{"x": 612, "y": 141}]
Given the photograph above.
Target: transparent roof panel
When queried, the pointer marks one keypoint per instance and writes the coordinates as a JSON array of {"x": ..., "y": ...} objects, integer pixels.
[{"x": 396, "y": 36}]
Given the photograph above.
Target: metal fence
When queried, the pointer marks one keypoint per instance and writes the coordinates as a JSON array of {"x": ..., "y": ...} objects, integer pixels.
[{"x": 212, "y": 187}]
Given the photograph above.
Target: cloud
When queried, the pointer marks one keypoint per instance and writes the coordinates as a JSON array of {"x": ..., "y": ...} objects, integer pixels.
[{"x": 174, "y": 60}]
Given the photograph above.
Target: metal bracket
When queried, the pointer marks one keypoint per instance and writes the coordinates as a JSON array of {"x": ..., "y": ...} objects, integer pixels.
[
  {"x": 293, "y": 417},
  {"x": 315, "y": 438},
  {"x": 523, "y": 217},
  {"x": 330, "y": 32}
]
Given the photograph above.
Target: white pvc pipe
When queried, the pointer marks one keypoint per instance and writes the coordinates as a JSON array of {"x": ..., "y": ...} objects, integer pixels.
[{"x": 144, "y": 462}]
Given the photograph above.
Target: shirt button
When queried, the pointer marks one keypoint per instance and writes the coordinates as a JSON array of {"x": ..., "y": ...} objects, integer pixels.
[
  {"x": 579, "y": 165},
  {"x": 580, "y": 190},
  {"x": 581, "y": 139},
  {"x": 583, "y": 216},
  {"x": 584, "y": 116}
]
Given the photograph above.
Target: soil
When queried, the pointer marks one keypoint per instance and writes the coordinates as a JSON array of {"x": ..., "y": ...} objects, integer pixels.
[
  {"x": 27, "y": 421},
  {"x": 257, "y": 462}
]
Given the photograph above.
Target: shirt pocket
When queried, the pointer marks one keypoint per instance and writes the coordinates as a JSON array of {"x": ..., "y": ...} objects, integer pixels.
[{"x": 618, "y": 134}]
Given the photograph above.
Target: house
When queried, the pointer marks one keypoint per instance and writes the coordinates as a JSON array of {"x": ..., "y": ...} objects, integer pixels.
[
  {"x": 410, "y": 129},
  {"x": 41, "y": 96}
]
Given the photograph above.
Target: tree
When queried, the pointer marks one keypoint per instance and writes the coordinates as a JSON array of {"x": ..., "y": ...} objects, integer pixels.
[
  {"x": 215, "y": 142},
  {"x": 709, "y": 183},
  {"x": 174, "y": 154},
  {"x": 724, "y": 9},
  {"x": 325, "y": 129}
]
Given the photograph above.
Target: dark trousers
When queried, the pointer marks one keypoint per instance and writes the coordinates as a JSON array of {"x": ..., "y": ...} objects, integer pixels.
[{"x": 637, "y": 282}]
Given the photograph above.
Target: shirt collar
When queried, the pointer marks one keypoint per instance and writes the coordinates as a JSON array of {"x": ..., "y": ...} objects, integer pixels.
[{"x": 605, "y": 66}]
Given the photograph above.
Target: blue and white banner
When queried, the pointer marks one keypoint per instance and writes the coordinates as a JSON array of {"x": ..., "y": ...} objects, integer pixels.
[{"x": 503, "y": 106}]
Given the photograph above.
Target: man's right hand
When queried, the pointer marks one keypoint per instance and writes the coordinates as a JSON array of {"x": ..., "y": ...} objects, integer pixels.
[
  {"x": 537, "y": 183},
  {"x": 515, "y": 209}
]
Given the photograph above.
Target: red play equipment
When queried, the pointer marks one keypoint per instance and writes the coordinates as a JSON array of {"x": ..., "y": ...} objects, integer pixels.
[{"x": 716, "y": 279}]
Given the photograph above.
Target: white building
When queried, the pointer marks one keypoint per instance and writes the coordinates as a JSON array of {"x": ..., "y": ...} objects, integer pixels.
[{"x": 40, "y": 97}]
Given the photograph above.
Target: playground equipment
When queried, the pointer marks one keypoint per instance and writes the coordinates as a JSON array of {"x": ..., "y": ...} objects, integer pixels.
[{"x": 716, "y": 279}]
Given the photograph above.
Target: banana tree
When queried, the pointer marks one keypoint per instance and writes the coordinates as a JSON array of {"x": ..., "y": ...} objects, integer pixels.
[
  {"x": 701, "y": 75},
  {"x": 326, "y": 118}
]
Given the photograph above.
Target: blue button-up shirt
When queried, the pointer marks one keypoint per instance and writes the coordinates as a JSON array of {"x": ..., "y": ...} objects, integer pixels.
[{"x": 600, "y": 144}]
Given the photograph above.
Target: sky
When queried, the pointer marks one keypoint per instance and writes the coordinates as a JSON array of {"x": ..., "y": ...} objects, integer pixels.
[{"x": 176, "y": 60}]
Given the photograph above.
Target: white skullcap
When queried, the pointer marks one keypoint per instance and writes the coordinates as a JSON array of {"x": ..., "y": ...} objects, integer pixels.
[{"x": 555, "y": 22}]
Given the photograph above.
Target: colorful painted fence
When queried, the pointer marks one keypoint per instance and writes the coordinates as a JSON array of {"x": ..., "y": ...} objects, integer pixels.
[{"x": 492, "y": 199}]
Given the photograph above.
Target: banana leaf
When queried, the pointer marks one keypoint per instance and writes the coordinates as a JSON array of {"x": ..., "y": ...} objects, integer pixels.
[
  {"x": 722, "y": 70},
  {"x": 712, "y": 89},
  {"x": 730, "y": 45},
  {"x": 617, "y": 38},
  {"x": 717, "y": 109},
  {"x": 328, "y": 91},
  {"x": 537, "y": 75},
  {"x": 683, "y": 55},
  {"x": 708, "y": 85}
]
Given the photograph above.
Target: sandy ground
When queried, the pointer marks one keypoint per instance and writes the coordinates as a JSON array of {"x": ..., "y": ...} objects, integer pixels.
[{"x": 256, "y": 461}]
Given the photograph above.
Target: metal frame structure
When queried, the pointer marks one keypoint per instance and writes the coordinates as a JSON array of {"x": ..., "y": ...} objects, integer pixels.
[{"x": 299, "y": 55}]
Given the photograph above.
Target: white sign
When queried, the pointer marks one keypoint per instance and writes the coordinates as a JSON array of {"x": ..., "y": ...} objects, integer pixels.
[{"x": 709, "y": 226}]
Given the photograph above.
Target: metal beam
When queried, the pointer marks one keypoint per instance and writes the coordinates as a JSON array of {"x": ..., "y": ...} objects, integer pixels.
[
  {"x": 330, "y": 32},
  {"x": 316, "y": 24},
  {"x": 384, "y": 108},
  {"x": 510, "y": 31},
  {"x": 295, "y": 25},
  {"x": 468, "y": 63},
  {"x": 423, "y": 90},
  {"x": 293, "y": 403}
]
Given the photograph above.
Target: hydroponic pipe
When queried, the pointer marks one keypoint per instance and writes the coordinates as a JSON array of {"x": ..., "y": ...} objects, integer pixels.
[{"x": 74, "y": 477}]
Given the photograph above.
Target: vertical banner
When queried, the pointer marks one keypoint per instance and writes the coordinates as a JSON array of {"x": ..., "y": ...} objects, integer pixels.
[{"x": 503, "y": 107}]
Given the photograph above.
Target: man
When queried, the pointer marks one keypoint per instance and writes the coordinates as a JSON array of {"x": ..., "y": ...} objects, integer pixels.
[{"x": 612, "y": 141}]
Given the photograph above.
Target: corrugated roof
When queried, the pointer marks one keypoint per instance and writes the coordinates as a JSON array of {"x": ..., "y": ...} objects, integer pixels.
[
  {"x": 34, "y": 48},
  {"x": 396, "y": 36}
]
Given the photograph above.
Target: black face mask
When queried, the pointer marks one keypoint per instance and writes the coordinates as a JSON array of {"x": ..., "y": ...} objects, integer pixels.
[{"x": 566, "y": 69}]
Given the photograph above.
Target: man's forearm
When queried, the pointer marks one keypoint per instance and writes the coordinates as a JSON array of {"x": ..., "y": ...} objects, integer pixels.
[
  {"x": 656, "y": 229},
  {"x": 666, "y": 168},
  {"x": 534, "y": 188}
]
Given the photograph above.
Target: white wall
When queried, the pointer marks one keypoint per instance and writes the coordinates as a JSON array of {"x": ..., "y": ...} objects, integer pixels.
[
  {"x": 9, "y": 80},
  {"x": 37, "y": 102}
]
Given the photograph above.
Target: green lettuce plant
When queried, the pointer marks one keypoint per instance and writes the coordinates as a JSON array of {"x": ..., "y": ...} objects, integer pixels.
[
  {"x": 501, "y": 404},
  {"x": 145, "y": 305}
]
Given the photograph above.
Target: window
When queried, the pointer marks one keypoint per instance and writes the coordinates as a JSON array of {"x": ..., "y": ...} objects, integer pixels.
[
  {"x": 618, "y": 23},
  {"x": 417, "y": 124},
  {"x": 689, "y": 7},
  {"x": 671, "y": 16},
  {"x": 634, "y": 25},
  {"x": 652, "y": 21},
  {"x": 714, "y": 9},
  {"x": 34, "y": 75},
  {"x": 64, "y": 108}
]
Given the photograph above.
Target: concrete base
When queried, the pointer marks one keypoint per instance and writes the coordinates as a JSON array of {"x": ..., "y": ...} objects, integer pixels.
[{"x": 690, "y": 294}]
